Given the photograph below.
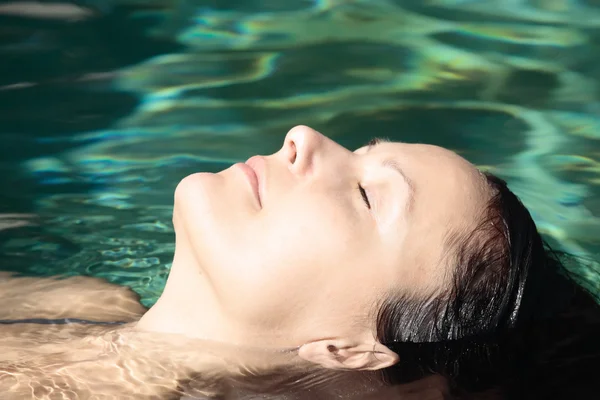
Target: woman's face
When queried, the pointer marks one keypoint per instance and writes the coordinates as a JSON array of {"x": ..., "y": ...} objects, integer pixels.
[{"x": 327, "y": 233}]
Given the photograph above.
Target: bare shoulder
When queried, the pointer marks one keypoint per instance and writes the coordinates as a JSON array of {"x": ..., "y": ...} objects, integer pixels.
[{"x": 72, "y": 297}]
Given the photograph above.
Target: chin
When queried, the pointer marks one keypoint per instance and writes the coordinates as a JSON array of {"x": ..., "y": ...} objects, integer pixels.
[
  {"x": 194, "y": 199},
  {"x": 210, "y": 210},
  {"x": 195, "y": 188}
]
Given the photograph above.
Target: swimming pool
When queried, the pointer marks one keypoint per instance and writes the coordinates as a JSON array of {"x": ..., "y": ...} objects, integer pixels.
[{"x": 104, "y": 108}]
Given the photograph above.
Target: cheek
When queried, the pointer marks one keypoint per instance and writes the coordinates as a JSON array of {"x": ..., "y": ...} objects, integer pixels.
[{"x": 291, "y": 263}]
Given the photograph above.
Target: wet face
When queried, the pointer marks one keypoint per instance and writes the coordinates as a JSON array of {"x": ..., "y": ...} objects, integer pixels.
[{"x": 302, "y": 243}]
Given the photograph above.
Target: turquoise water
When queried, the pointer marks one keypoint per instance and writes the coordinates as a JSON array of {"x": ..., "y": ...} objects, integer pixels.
[{"x": 103, "y": 109}]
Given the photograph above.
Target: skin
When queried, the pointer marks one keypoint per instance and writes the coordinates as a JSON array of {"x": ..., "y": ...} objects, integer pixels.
[
  {"x": 306, "y": 265},
  {"x": 301, "y": 269}
]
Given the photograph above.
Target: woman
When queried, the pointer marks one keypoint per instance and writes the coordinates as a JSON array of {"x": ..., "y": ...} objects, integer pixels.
[{"x": 391, "y": 261}]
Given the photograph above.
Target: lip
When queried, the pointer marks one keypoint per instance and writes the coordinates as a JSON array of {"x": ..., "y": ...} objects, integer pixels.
[{"x": 249, "y": 168}]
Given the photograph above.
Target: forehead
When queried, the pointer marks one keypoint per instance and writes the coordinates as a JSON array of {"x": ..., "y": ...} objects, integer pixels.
[
  {"x": 426, "y": 155},
  {"x": 446, "y": 183}
]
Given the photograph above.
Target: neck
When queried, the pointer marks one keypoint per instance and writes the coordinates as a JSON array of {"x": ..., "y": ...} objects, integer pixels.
[
  {"x": 185, "y": 329},
  {"x": 186, "y": 306},
  {"x": 192, "y": 355}
]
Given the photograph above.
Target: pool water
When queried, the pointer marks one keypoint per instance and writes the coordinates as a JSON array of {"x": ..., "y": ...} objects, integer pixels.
[{"x": 106, "y": 105}]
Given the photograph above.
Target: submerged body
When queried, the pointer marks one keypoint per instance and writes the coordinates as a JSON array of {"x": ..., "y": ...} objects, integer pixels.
[{"x": 50, "y": 352}]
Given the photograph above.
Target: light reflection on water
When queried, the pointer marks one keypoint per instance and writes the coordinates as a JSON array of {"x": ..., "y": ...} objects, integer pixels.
[{"x": 512, "y": 88}]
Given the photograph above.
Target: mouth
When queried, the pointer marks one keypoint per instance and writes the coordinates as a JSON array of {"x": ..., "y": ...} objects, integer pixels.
[{"x": 250, "y": 171}]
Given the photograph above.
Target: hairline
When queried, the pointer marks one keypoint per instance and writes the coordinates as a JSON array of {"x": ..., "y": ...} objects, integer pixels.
[{"x": 454, "y": 241}]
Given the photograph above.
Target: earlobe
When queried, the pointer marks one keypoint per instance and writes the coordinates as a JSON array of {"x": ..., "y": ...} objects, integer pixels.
[{"x": 342, "y": 355}]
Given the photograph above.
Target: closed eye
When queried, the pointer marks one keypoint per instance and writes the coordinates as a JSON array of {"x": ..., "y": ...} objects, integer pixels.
[{"x": 363, "y": 193}]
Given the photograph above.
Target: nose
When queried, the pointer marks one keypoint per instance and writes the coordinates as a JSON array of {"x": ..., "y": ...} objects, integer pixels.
[{"x": 300, "y": 148}]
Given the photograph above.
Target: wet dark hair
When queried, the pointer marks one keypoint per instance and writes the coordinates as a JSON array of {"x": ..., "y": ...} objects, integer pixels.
[{"x": 501, "y": 322}]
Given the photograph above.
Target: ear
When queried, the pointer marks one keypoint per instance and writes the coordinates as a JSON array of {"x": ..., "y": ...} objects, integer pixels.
[{"x": 346, "y": 355}]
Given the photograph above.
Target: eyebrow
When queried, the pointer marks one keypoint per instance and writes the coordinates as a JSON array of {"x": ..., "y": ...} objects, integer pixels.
[
  {"x": 376, "y": 141},
  {"x": 393, "y": 164}
]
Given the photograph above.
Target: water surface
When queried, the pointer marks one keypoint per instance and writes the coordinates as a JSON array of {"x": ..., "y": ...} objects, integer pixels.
[{"x": 103, "y": 112}]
